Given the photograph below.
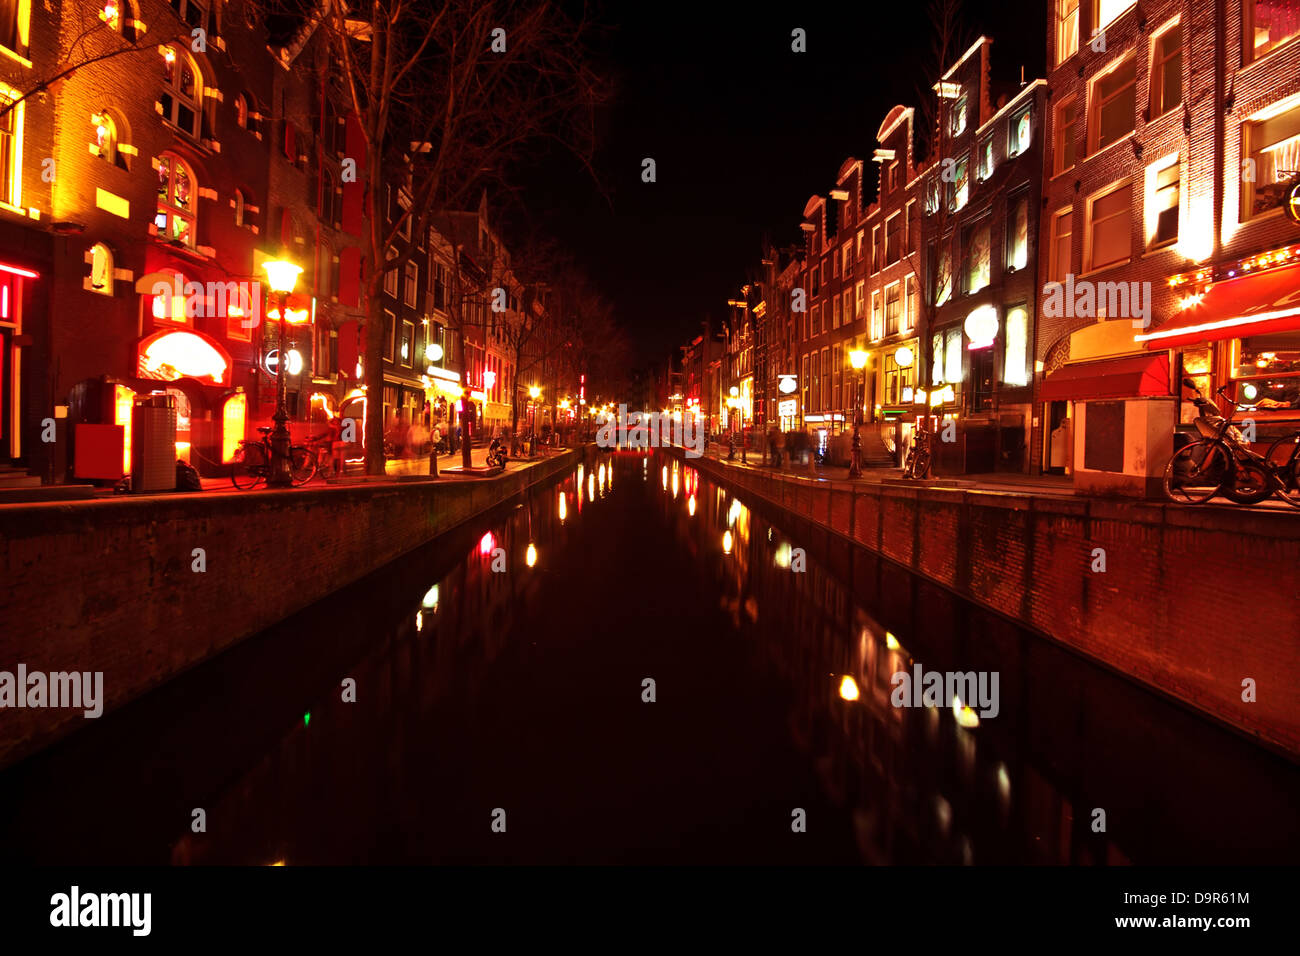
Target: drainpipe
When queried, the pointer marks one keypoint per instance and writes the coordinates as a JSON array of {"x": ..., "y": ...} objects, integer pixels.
[{"x": 1220, "y": 124}]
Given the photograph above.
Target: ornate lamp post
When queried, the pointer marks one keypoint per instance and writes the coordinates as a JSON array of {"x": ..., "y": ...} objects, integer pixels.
[
  {"x": 858, "y": 359},
  {"x": 281, "y": 276}
]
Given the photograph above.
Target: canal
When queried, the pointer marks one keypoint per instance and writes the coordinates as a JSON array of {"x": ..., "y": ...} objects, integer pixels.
[{"x": 632, "y": 665}]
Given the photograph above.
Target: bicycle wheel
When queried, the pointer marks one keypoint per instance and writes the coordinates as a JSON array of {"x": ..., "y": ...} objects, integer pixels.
[
  {"x": 1284, "y": 456},
  {"x": 302, "y": 465},
  {"x": 1249, "y": 483},
  {"x": 1197, "y": 472},
  {"x": 249, "y": 467}
]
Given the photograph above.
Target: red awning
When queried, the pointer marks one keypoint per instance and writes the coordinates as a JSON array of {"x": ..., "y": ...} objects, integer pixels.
[
  {"x": 1128, "y": 377},
  {"x": 1235, "y": 308}
]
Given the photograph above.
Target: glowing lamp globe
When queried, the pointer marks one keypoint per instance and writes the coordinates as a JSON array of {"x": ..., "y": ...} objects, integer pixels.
[
  {"x": 858, "y": 359},
  {"x": 281, "y": 275},
  {"x": 433, "y": 352},
  {"x": 534, "y": 393}
]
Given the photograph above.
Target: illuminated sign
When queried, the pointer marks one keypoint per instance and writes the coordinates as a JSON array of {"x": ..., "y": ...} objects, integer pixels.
[
  {"x": 172, "y": 354},
  {"x": 788, "y": 409},
  {"x": 273, "y": 361},
  {"x": 982, "y": 327},
  {"x": 787, "y": 384},
  {"x": 1293, "y": 202}
]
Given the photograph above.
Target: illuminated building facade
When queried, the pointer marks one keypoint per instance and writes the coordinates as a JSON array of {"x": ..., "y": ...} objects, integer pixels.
[
  {"x": 979, "y": 232},
  {"x": 1172, "y": 146}
]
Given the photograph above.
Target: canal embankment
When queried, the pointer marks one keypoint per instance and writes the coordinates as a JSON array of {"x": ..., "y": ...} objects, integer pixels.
[
  {"x": 143, "y": 588},
  {"x": 1200, "y": 604}
]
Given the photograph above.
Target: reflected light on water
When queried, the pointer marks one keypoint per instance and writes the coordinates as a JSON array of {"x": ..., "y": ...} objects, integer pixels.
[
  {"x": 431, "y": 597},
  {"x": 600, "y": 475},
  {"x": 564, "y": 507},
  {"x": 690, "y": 506},
  {"x": 664, "y": 477},
  {"x": 580, "y": 474},
  {"x": 676, "y": 484},
  {"x": 891, "y": 642},
  {"x": 848, "y": 688},
  {"x": 783, "y": 554},
  {"x": 733, "y": 515},
  {"x": 965, "y": 716},
  {"x": 591, "y": 487},
  {"x": 726, "y": 542},
  {"x": 531, "y": 556},
  {"x": 486, "y": 543},
  {"x": 419, "y": 621}
]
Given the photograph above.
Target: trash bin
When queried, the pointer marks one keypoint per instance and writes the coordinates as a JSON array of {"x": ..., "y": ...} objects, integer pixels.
[{"x": 153, "y": 443}]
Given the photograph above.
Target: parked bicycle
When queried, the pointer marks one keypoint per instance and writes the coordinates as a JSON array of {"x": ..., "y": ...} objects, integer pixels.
[
  {"x": 1222, "y": 462},
  {"x": 252, "y": 464},
  {"x": 918, "y": 463}
]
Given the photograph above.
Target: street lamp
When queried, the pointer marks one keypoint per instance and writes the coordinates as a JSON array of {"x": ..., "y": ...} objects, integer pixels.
[
  {"x": 534, "y": 393},
  {"x": 858, "y": 359},
  {"x": 281, "y": 276}
]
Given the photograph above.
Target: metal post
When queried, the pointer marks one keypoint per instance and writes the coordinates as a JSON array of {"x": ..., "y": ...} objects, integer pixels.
[
  {"x": 855, "y": 467},
  {"x": 281, "y": 476}
]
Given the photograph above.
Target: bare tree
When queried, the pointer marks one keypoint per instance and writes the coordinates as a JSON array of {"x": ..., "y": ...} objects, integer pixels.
[{"x": 447, "y": 94}]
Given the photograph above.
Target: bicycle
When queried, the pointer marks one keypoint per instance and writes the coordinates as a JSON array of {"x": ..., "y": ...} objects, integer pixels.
[
  {"x": 1221, "y": 462},
  {"x": 917, "y": 464},
  {"x": 252, "y": 462},
  {"x": 1284, "y": 454}
]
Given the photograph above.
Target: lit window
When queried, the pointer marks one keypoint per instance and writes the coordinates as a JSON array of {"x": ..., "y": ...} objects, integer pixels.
[
  {"x": 909, "y": 314},
  {"x": 1162, "y": 204},
  {"x": 11, "y": 149},
  {"x": 1063, "y": 137},
  {"x": 1167, "y": 71},
  {"x": 105, "y": 136},
  {"x": 15, "y": 21},
  {"x": 241, "y": 111},
  {"x": 1113, "y": 101},
  {"x": 977, "y": 258},
  {"x": 1067, "y": 29},
  {"x": 1272, "y": 151},
  {"x": 952, "y": 356},
  {"x": 1015, "y": 357},
  {"x": 1107, "y": 11},
  {"x": 1018, "y": 234},
  {"x": 860, "y": 306},
  {"x": 101, "y": 269},
  {"x": 893, "y": 308},
  {"x": 835, "y": 312},
  {"x": 1062, "y": 245},
  {"x": 957, "y": 116},
  {"x": 959, "y": 186},
  {"x": 390, "y": 277},
  {"x": 177, "y": 202},
  {"x": 1018, "y": 134},
  {"x": 943, "y": 278},
  {"x": 986, "y": 160},
  {"x": 182, "y": 94},
  {"x": 1268, "y": 24},
  {"x": 1108, "y": 228},
  {"x": 877, "y": 317}
]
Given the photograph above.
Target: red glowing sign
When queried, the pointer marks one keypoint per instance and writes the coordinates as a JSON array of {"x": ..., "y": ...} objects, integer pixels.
[{"x": 170, "y": 354}]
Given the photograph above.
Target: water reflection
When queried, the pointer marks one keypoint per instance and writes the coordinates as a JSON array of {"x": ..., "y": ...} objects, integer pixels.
[
  {"x": 937, "y": 784},
  {"x": 501, "y": 667}
]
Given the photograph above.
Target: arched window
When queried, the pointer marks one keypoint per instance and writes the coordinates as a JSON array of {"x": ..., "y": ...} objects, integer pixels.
[
  {"x": 100, "y": 279},
  {"x": 177, "y": 201},
  {"x": 182, "y": 91},
  {"x": 239, "y": 207},
  {"x": 241, "y": 111}
]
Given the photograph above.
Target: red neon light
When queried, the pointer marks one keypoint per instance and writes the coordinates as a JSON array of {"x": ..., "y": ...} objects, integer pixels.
[{"x": 14, "y": 270}]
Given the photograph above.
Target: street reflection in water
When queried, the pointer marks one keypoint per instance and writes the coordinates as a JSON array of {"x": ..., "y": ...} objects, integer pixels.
[{"x": 659, "y": 673}]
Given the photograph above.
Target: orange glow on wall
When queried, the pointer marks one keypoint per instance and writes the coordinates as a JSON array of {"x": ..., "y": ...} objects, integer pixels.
[
  {"x": 234, "y": 415},
  {"x": 169, "y": 355},
  {"x": 123, "y": 402}
]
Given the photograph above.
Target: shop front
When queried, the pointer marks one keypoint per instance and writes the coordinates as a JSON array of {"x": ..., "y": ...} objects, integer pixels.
[{"x": 1241, "y": 331}]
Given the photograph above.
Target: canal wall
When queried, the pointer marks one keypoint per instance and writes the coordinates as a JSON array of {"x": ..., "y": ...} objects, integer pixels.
[
  {"x": 1191, "y": 602},
  {"x": 117, "y": 585}
]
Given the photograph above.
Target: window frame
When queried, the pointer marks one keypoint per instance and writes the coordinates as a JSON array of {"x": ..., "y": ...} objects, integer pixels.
[
  {"x": 1158, "y": 66},
  {"x": 1090, "y": 225},
  {"x": 1096, "y": 104},
  {"x": 172, "y": 88},
  {"x": 170, "y": 207},
  {"x": 1064, "y": 133}
]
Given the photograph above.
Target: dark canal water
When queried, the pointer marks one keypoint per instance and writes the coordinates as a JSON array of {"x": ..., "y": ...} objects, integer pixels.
[{"x": 522, "y": 691}]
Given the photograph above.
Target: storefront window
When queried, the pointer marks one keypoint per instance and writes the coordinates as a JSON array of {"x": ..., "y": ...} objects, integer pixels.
[
  {"x": 1015, "y": 357},
  {"x": 952, "y": 356},
  {"x": 1268, "y": 371},
  {"x": 898, "y": 381}
]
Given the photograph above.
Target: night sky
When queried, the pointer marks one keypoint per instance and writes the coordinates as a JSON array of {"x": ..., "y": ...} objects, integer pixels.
[{"x": 743, "y": 131}]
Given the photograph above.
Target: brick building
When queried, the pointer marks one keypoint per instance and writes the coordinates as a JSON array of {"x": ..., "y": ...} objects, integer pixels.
[
  {"x": 1172, "y": 146},
  {"x": 979, "y": 237}
]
